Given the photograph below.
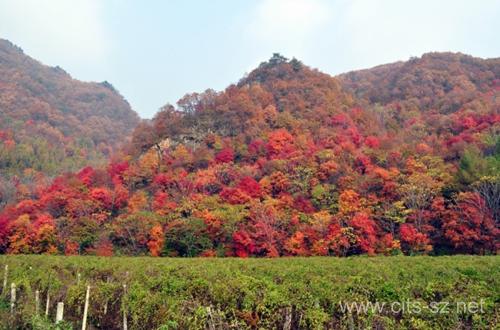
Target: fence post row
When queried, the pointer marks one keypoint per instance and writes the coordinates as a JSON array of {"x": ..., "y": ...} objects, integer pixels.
[{"x": 60, "y": 305}]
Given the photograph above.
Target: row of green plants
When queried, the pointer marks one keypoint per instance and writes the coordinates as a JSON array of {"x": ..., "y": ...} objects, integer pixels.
[{"x": 285, "y": 293}]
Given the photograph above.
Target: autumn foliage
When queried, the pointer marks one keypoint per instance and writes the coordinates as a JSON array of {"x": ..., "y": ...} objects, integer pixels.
[
  {"x": 51, "y": 123},
  {"x": 290, "y": 161}
]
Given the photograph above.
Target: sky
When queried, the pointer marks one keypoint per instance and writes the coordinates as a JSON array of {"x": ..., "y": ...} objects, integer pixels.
[{"x": 156, "y": 51}]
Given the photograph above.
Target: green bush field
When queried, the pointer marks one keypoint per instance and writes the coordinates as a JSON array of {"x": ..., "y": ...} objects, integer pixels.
[{"x": 397, "y": 292}]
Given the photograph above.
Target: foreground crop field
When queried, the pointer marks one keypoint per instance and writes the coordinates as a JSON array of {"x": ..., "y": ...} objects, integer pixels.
[{"x": 286, "y": 293}]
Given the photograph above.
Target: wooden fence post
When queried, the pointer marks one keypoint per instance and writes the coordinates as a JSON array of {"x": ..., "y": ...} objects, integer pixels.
[
  {"x": 47, "y": 304},
  {"x": 105, "y": 309},
  {"x": 211, "y": 325},
  {"x": 86, "y": 308},
  {"x": 59, "y": 312},
  {"x": 37, "y": 301},
  {"x": 4, "y": 287},
  {"x": 12, "y": 297},
  {"x": 78, "y": 277},
  {"x": 125, "y": 325},
  {"x": 288, "y": 319}
]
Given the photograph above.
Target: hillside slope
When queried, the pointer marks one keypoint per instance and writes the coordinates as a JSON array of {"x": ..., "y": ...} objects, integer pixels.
[
  {"x": 440, "y": 81},
  {"x": 51, "y": 123},
  {"x": 291, "y": 161}
]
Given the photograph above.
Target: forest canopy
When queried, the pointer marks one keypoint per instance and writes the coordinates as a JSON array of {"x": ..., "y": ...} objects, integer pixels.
[{"x": 401, "y": 158}]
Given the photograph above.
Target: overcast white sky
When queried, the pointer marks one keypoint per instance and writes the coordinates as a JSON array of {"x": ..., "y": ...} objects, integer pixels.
[{"x": 155, "y": 51}]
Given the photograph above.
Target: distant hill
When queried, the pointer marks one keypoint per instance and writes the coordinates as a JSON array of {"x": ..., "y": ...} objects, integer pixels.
[
  {"x": 51, "y": 123},
  {"x": 439, "y": 81}
]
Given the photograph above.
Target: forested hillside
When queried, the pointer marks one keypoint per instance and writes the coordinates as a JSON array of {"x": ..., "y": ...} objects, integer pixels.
[
  {"x": 444, "y": 82},
  {"x": 402, "y": 158},
  {"x": 51, "y": 123}
]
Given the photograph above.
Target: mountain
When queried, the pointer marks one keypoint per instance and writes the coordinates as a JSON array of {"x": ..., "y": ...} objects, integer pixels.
[
  {"x": 51, "y": 123},
  {"x": 279, "y": 94},
  {"x": 440, "y": 81},
  {"x": 402, "y": 158}
]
